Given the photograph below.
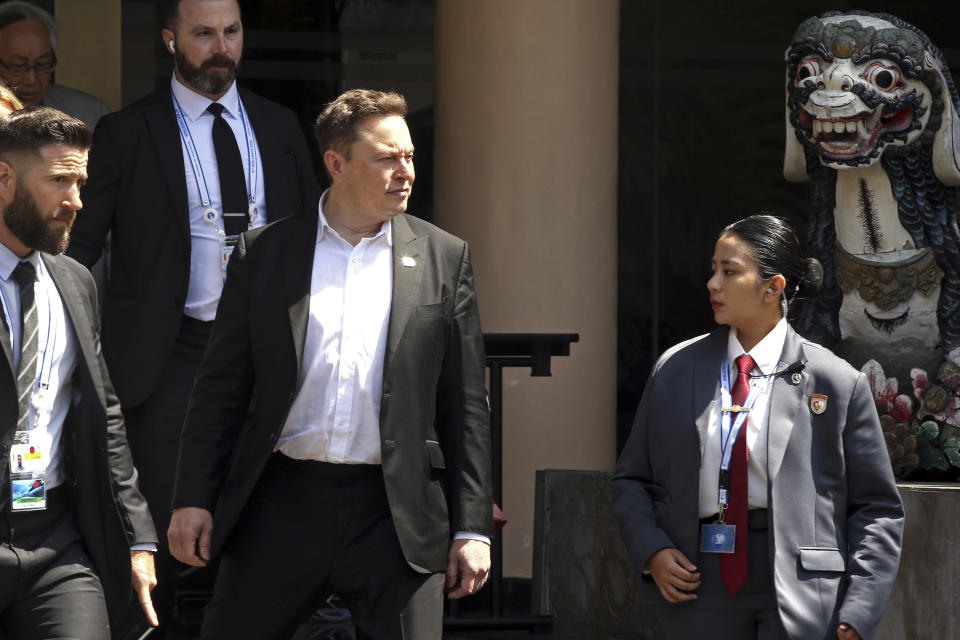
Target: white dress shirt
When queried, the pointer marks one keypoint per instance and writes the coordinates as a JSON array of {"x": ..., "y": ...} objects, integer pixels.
[
  {"x": 336, "y": 414},
  {"x": 766, "y": 355},
  {"x": 56, "y": 357},
  {"x": 206, "y": 273}
]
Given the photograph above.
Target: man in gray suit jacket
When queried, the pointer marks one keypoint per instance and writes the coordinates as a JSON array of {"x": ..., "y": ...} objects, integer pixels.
[
  {"x": 340, "y": 406},
  {"x": 834, "y": 516},
  {"x": 28, "y": 56}
]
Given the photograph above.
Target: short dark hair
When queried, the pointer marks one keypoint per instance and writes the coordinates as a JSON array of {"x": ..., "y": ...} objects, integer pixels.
[
  {"x": 774, "y": 246},
  {"x": 23, "y": 133},
  {"x": 169, "y": 10},
  {"x": 336, "y": 126}
]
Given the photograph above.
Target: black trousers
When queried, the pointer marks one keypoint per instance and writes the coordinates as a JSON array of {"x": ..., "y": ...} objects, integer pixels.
[
  {"x": 48, "y": 587},
  {"x": 309, "y": 530},
  {"x": 153, "y": 431},
  {"x": 717, "y": 614}
]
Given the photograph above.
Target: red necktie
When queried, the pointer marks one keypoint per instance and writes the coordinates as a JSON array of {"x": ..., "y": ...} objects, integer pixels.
[{"x": 733, "y": 566}]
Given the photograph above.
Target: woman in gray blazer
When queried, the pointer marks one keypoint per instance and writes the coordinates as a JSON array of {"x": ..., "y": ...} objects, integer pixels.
[{"x": 755, "y": 495}]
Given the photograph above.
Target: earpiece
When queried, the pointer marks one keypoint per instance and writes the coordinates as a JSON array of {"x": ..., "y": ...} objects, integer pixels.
[
  {"x": 170, "y": 44},
  {"x": 770, "y": 290}
]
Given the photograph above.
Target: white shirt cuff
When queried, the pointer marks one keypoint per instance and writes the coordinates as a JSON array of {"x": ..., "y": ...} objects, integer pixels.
[
  {"x": 148, "y": 546},
  {"x": 466, "y": 535}
]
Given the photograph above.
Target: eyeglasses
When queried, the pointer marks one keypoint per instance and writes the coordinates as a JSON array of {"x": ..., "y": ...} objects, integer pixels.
[{"x": 20, "y": 70}]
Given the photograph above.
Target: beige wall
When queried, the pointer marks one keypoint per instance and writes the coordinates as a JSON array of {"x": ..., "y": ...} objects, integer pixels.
[
  {"x": 88, "y": 51},
  {"x": 526, "y": 170}
]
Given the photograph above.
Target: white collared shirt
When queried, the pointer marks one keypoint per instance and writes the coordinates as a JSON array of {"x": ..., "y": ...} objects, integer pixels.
[
  {"x": 766, "y": 355},
  {"x": 206, "y": 273},
  {"x": 56, "y": 356},
  {"x": 335, "y": 416}
]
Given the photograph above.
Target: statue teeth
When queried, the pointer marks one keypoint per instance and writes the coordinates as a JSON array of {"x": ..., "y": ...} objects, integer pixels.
[
  {"x": 827, "y": 126},
  {"x": 875, "y": 118},
  {"x": 861, "y": 128},
  {"x": 817, "y": 127},
  {"x": 851, "y": 126}
]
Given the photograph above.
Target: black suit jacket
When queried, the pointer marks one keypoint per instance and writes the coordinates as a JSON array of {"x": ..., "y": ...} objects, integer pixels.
[
  {"x": 434, "y": 420},
  {"x": 137, "y": 190},
  {"x": 111, "y": 513}
]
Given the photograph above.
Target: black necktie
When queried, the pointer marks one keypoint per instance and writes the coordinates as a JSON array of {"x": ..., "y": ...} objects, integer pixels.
[
  {"x": 26, "y": 275},
  {"x": 233, "y": 186}
]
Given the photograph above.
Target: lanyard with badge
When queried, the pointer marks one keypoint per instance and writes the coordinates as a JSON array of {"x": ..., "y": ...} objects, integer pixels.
[
  {"x": 720, "y": 537},
  {"x": 29, "y": 453},
  {"x": 210, "y": 215}
]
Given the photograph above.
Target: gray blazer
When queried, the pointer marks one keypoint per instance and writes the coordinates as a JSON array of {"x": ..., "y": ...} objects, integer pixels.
[{"x": 835, "y": 516}]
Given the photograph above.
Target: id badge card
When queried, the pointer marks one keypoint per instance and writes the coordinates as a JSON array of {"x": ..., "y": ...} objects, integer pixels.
[
  {"x": 226, "y": 250},
  {"x": 717, "y": 537},
  {"x": 28, "y": 466}
]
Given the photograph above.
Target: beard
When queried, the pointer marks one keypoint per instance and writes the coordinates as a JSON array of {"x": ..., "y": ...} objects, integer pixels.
[
  {"x": 32, "y": 228},
  {"x": 202, "y": 78}
]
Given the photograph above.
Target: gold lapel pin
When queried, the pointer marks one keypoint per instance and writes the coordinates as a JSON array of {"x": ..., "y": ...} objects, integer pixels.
[{"x": 407, "y": 261}]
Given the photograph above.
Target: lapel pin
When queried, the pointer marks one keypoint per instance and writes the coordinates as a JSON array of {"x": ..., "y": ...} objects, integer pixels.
[
  {"x": 818, "y": 403},
  {"x": 407, "y": 261},
  {"x": 796, "y": 378}
]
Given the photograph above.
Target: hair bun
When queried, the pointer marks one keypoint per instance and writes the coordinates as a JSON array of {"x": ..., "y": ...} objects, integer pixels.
[{"x": 812, "y": 276}]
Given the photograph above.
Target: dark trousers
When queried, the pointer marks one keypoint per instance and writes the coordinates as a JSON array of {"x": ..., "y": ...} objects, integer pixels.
[
  {"x": 48, "y": 587},
  {"x": 309, "y": 530},
  {"x": 153, "y": 431},
  {"x": 717, "y": 614}
]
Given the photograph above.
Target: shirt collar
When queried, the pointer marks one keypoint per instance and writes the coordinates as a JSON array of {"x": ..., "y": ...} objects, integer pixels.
[
  {"x": 9, "y": 261},
  {"x": 195, "y": 105},
  {"x": 765, "y": 353},
  {"x": 386, "y": 229}
]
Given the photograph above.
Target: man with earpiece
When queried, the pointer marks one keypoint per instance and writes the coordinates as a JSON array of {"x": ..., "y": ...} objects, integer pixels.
[{"x": 176, "y": 177}]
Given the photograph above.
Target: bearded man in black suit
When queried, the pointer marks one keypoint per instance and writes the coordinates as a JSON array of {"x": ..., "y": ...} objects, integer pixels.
[
  {"x": 175, "y": 177},
  {"x": 76, "y": 532}
]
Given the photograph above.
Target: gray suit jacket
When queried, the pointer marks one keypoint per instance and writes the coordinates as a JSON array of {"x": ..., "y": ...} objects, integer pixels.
[
  {"x": 434, "y": 422},
  {"x": 836, "y": 519},
  {"x": 97, "y": 469},
  {"x": 79, "y": 104}
]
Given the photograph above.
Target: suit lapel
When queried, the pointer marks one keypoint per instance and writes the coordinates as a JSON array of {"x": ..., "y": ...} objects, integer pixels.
[
  {"x": 162, "y": 124},
  {"x": 299, "y": 269},
  {"x": 408, "y": 259},
  {"x": 72, "y": 297},
  {"x": 786, "y": 400},
  {"x": 706, "y": 373}
]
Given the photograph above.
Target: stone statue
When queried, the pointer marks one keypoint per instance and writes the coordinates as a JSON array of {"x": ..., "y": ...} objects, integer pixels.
[{"x": 872, "y": 122}]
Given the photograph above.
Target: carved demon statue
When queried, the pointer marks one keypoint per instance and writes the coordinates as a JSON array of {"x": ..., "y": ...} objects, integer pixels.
[{"x": 872, "y": 123}]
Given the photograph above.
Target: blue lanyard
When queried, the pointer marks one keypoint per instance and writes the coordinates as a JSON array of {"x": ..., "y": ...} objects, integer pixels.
[
  {"x": 197, "y": 167},
  {"x": 46, "y": 364},
  {"x": 728, "y": 432}
]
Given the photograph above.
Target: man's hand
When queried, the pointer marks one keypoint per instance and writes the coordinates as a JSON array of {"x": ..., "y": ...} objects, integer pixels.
[
  {"x": 846, "y": 632},
  {"x": 468, "y": 561},
  {"x": 189, "y": 535},
  {"x": 144, "y": 580},
  {"x": 676, "y": 576}
]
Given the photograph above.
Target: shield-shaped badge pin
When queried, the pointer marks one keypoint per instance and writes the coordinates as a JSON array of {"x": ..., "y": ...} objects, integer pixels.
[{"x": 818, "y": 403}]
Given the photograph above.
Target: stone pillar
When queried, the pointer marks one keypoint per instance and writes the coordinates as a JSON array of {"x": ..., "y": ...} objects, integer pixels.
[
  {"x": 88, "y": 52},
  {"x": 526, "y": 172}
]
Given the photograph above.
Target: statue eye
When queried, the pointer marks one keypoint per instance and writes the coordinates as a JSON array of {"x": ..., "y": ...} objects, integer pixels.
[
  {"x": 807, "y": 69},
  {"x": 883, "y": 77}
]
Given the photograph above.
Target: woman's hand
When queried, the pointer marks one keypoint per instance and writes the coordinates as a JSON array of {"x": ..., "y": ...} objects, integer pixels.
[{"x": 676, "y": 576}]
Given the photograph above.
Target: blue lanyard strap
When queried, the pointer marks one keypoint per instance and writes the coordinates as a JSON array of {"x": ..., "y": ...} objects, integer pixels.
[
  {"x": 728, "y": 432},
  {"x": 197, "y": 167}
]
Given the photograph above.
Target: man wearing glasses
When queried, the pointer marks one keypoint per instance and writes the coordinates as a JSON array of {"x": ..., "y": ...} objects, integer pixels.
[{"x": 28, "y": 56}]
